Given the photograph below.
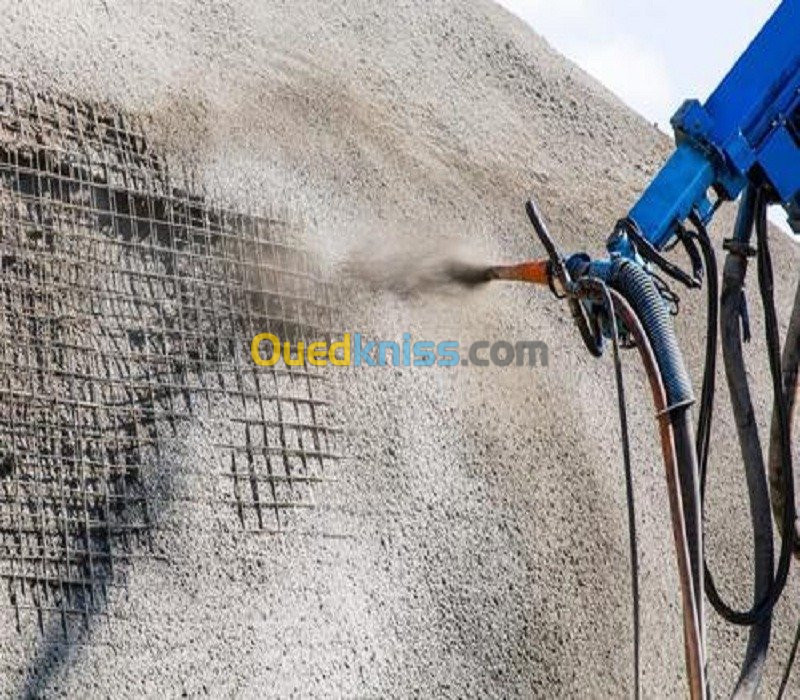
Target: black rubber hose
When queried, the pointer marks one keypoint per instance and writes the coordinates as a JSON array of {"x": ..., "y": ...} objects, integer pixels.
[
  {"x": 767, "y": 602},
  {"x": 732, "y": 302},
  {"x": 791, "y": 372},
  {"x": 755, "y": 475},
  {"x": 712, "y": 341},
  {"x": 595, "y": 286}
]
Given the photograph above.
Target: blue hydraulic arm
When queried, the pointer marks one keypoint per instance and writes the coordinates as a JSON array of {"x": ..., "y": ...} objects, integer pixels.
[{"x": 747, "y": 132}]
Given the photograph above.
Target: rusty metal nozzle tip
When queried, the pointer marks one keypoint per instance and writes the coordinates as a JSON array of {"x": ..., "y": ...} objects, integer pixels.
[{"x": 532, "y": 272}]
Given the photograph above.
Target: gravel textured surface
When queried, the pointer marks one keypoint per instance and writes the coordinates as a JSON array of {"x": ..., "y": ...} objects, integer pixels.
[{"x": 474, "y": 539}]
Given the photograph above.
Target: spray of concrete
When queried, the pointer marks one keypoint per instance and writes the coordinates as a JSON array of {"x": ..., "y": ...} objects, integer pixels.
[{"x": 411, "y": 270}]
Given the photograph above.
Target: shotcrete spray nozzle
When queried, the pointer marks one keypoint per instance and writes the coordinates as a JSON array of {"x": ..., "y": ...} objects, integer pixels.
[{"x": 533, "y": 272}]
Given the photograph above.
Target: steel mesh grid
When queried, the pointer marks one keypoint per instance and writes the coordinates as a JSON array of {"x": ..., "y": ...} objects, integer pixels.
[{"x": 124, "y": 301}]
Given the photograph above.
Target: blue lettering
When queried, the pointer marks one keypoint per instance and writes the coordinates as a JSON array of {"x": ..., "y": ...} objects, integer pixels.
[
  {"x": 424, "y": 355},
  {"x": 363, "y": 353},
  {"x": 448, "y": 354},
  {"x": 383, "y": 351}
]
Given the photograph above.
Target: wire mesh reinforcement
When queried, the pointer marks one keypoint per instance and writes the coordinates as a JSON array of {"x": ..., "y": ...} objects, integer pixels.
[{"x": 125, "y": 301}]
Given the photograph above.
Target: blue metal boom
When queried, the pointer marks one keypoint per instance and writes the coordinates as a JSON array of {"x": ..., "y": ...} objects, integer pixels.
[{"x": 747, "y": 132}]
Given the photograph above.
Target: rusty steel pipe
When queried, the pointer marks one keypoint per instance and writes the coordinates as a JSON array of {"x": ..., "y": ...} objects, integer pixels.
[{"x": 533, "y": 272}]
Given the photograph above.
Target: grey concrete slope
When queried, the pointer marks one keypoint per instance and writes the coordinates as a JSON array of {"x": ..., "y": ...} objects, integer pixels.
[{"x": 473, "y": 541}]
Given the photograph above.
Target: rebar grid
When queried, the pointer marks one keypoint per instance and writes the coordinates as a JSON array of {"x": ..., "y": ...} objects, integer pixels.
[{"x": 124, "y": 301}]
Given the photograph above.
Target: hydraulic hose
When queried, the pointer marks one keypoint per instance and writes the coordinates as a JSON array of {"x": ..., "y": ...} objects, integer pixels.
[
  {"x": 766, "y": 603},
  {"x": 703, "y": 439},
  {"x": 690, "y": 493},
  {"x": 732, "y": 303},
  {"x": 734, "y": 311},
  {"x": 790, "y": 364}
]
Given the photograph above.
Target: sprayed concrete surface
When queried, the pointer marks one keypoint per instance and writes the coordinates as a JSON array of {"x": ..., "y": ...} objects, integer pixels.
[{"x": 473, "y": 540}]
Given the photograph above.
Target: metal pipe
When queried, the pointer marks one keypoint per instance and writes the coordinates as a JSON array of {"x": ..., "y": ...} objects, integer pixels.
[{"x": 688, "y": 479}]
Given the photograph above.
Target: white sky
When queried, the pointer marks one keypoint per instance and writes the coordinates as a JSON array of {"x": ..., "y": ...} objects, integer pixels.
[{"x": 653, "y": 54}]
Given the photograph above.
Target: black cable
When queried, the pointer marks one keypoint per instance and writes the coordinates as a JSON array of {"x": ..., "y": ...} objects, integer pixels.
[
  {"x": 650, "y": 253},
  {"x": 789, "y": 664},
  {"x": 752, "y": 668},
  {"x": 671, "y": 299},
  {"x": 703, "y": 438},
  {"x": 626, "y": 456},
  {"x": 608, "y": 306},
  {"x": 766, "y": 285}
]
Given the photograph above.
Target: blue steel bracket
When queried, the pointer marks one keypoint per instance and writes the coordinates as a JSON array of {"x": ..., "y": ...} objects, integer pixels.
[
  {"x": 747, "y": 132},
  {"x": 694, "y": 127}
]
